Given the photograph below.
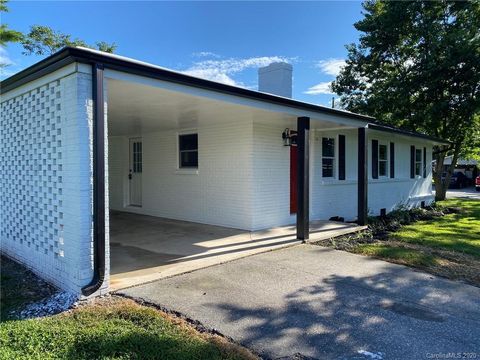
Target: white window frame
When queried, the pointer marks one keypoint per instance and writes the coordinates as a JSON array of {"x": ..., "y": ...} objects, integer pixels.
[
  {"x": 334, "y": 157},
  {"x": 186, "y": 170},
  {"x": 386, "y": 160},
  {"x": 420, "y": 150}
]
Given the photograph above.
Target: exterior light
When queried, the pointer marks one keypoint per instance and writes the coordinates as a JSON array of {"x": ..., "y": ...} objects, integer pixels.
[{"x": 289, "y": 137}]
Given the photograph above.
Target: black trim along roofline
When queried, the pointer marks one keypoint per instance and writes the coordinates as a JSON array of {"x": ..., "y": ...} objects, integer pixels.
[
  {"x": 70, "y": 55},
  {"x": 391, "y": 129}
]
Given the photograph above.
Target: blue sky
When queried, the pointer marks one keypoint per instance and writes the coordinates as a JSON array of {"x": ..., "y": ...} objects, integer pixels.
[{"x": 223, "y": 41}]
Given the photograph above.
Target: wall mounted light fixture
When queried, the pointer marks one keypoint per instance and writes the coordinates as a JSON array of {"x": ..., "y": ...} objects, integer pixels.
[{"x": 289, "y": 137}]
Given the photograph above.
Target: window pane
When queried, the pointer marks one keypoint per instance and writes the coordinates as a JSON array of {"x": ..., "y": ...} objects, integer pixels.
[
  {"x": 327, "y": 167},
  {"x": 188, "y": 148},
  {"x": 189, "y": 159},
  {"x": 382, "y": 168},
  {"x": 137, "y": 157},
  {"x": 188, "y": 142},
  {"x": 382, "y": 152},
  {"x": 328, "y": 147},
  {"x": 418, "y": 168},
  {"x": 418, "y": 155}
]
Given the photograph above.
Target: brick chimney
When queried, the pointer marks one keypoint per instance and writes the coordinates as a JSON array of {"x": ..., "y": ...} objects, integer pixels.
[{"x": 276, "y": 79}]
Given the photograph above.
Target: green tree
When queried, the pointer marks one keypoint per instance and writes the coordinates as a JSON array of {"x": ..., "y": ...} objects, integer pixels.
[
  {"x": 43, "y": 40},
  {"x": 417, "y": 66},
  {"x": 6, "y": 34}
]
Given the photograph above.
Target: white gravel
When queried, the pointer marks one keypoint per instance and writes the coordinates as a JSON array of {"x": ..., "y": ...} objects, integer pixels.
[{"x": 54, "y": 304}]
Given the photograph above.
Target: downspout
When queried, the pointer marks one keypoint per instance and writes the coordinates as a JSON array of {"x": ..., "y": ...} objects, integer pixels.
[{"x": 98, "y": 182}]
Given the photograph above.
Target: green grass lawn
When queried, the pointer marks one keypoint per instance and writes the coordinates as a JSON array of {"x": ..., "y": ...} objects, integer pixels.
[
  {"x": 453, "y": 232},
  {"x": 447, "y": 245},
  {"x": 106, "y": 328},
  {"x": 112, "y": 328},
  {"x": 399, "y": 253}
]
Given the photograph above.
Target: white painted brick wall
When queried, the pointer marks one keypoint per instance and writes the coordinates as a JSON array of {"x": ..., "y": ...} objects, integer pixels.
[
  {"x": 219, "y": 194},
  {"x": 402, "y": 191},
  {"x": 46, "y": 192},
  {"x": 271, "y": 178},
  {"x": 330, "y": 197},
  {"x": 253, "y": 192}
]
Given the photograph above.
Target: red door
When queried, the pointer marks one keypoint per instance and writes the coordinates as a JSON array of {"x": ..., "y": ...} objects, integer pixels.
[{"x": 293, "y": 179}]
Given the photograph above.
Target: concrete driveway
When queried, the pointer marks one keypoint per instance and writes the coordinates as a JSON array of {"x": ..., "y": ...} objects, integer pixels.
[
  {"x": 313, "y": 302},
  {"x": 467, "y": 193}
]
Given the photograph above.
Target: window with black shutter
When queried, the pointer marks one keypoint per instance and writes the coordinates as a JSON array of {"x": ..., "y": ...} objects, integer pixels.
[
  {"x": 375, "y": 159},
  {"x": 341, "y": 157},
  {"x": 412, "y": 161},
  {"x": 392, "y": 160}
]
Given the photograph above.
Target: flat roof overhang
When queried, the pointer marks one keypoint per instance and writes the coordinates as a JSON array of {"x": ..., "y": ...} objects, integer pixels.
[{"x": 70, "y": 55}]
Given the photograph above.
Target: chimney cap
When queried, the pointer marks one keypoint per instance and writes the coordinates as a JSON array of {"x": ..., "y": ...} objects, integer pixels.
[{"x": 276, "y": 66}]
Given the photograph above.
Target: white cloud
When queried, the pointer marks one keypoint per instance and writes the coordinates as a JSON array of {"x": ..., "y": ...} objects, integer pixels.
[
  {"x": 211, "y": 74},
  {"x": 205, "y": 54},
  {"x": 7, "y": 66},
  {"x": 322, "y": 88},
  {"x": 331, "y": 66},
  {"x": 223, "y": 70},
  {"x": 4, "y": 58}
]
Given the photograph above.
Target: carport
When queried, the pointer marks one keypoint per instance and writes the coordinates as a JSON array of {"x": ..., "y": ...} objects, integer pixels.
[{"x": 164, "y": 218}]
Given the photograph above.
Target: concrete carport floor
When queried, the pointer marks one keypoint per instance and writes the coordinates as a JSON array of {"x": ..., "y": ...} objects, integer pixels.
[{"x": 145, "y": 248}]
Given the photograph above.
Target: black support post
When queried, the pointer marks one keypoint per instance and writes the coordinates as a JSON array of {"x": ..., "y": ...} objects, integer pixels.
[
  {"x": 98, "y": 181},
  {"x": 303, "y": 196},
  {"x": 362, "y": 177}
]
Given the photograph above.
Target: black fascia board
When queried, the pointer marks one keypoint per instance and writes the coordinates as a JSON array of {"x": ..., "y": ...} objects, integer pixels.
[{"x": 391, "y": 129}]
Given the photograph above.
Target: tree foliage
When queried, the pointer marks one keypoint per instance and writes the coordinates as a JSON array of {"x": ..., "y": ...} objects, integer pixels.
[
  {"x": 417, "y": 66},
  {"x": 6, "y": 34},
  {"x": 43, "y": 40}
]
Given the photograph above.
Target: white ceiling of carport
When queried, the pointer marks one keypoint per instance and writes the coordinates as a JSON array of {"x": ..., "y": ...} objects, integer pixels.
[{"x": 137, "y": 108}]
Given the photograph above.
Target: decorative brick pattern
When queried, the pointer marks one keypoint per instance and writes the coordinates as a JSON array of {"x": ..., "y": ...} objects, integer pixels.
[
  {"x": 31, "y": 163},
  {"x": 46, "y": 184}
]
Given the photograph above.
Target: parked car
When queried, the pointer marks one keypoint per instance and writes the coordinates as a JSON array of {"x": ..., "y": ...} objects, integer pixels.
[
  {"x": 458, "y": 180},
  {"x": 477, "y": 183}
]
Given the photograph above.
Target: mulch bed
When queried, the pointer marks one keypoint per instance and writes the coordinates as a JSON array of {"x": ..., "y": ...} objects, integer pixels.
[
  {"x": 449, "y": 264},
  {"x": 20, "y": 287}
]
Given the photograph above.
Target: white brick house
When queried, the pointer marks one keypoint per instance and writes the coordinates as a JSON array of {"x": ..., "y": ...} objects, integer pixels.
[{"x": 178, "y": 147}]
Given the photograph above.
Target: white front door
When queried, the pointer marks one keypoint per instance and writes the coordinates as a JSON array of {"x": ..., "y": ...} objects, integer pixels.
[{"x": 135, "y": 172}]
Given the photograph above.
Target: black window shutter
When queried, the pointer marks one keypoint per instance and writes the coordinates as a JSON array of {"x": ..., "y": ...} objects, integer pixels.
[
  {"x": 375, "y": 159},
  {"x": 424, "y": 162},
  {"x": 341, "y": 157},
  {"x": 412, "y": 162},
  {"x": 392, "y": 160}
]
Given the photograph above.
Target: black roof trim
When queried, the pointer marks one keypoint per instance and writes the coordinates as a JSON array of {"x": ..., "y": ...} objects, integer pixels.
[
  {"x": 74, "y": 54},
  {"x": 395, "y": 130}
]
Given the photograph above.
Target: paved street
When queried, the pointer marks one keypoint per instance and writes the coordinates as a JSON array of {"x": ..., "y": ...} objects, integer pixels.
[{"x": 326, "y": 304}]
